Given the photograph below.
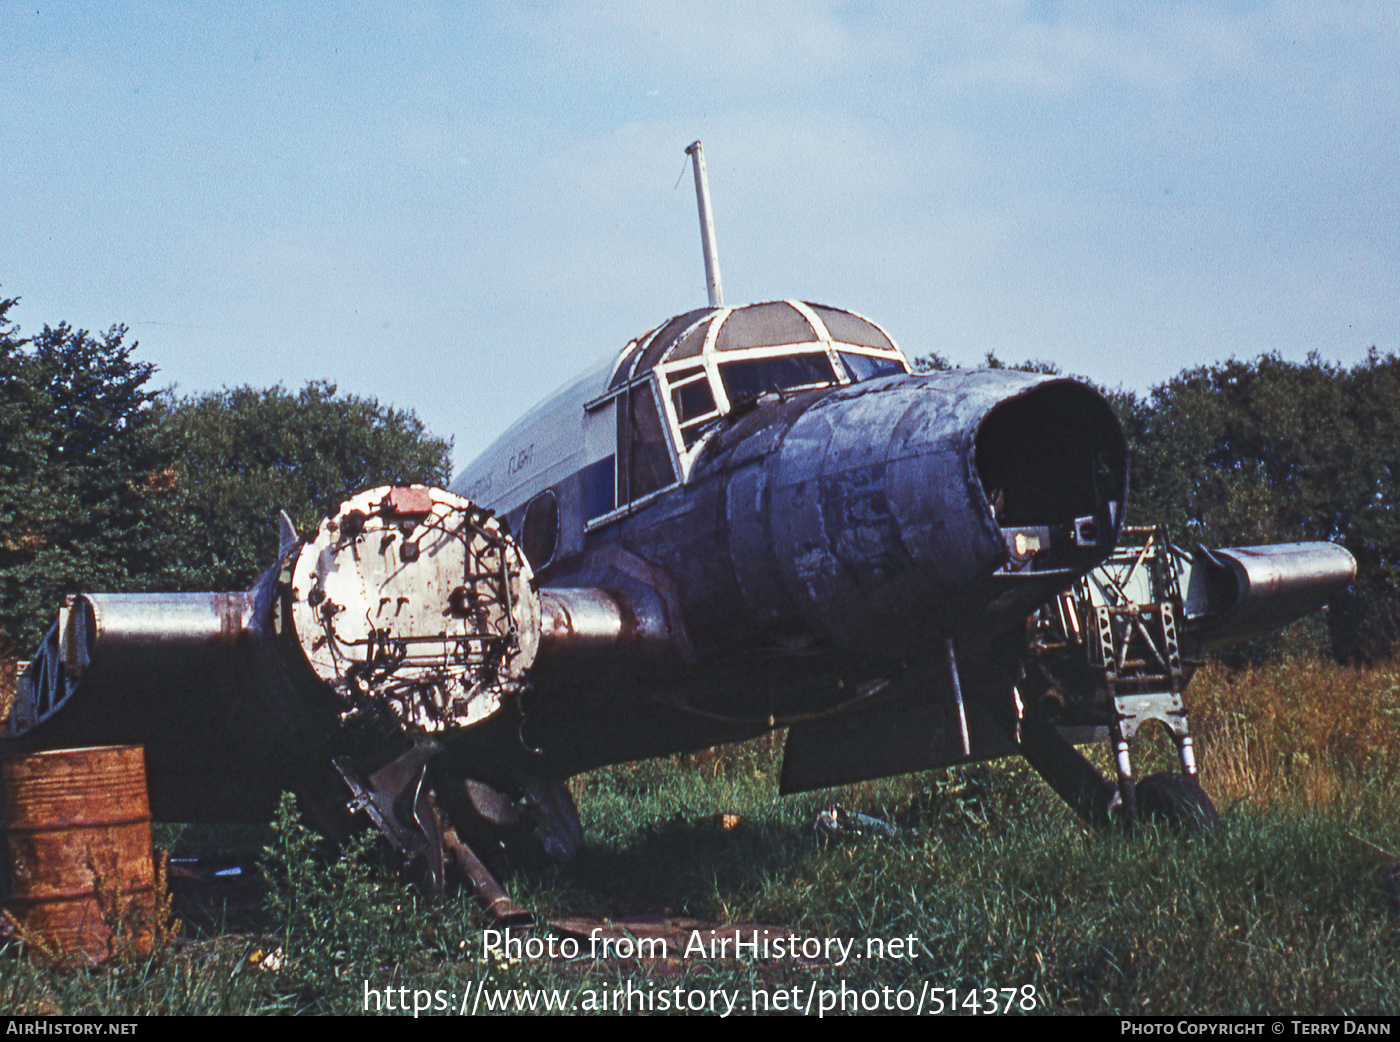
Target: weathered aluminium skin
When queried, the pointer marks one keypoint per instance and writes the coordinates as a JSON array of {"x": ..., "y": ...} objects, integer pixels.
[
  {"x": 824, "y": 549},
  {"x": 859, "y": 562},
  {"x": 827, "y": 544}
]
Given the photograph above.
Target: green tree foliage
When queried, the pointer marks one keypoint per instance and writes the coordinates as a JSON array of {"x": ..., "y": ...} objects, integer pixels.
[
  {"x": 931, "y": 363},
  {"x": 934, "y": 362},
  {"x": 82, "y": 504},
  {"x": 1244, "y": 453},
  {"x": 108, "y": 484},
  {"x": 247, "y": 453}
]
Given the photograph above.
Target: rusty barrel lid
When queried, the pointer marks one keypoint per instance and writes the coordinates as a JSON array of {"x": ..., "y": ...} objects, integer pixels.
[{"x": 66, "y": 788}]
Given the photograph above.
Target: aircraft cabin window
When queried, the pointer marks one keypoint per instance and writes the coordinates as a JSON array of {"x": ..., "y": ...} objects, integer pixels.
[
  {"x": 867, "y": 367},
  {"x": 539, "y": 533},
  {"x": 599, "y": 478},
  {"x": 693, "y": 399},
  {"x": 764, "y": 325},
  {"x": 755, "y": 376},
  {"x": 851, "y": 329}
]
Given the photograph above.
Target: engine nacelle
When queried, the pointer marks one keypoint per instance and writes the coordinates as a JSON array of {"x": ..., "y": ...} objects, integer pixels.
[
  {"x": 903, "y": 507},
  {"x": 1243, "y": 591}
]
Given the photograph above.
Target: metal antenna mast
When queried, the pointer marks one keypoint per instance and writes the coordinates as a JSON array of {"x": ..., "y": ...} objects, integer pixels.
[{"x": 707, "y": 226}]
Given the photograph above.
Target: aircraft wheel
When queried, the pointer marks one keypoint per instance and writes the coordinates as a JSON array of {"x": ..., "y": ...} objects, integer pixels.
[{"x": 1176, "y": 800}]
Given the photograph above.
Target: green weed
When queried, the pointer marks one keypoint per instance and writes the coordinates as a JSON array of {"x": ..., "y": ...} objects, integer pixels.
[{"x": 1278, "y": 912}]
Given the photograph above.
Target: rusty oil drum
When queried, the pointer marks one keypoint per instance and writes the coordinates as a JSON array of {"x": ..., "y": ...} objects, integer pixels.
[{"x": 72, "y": 811}]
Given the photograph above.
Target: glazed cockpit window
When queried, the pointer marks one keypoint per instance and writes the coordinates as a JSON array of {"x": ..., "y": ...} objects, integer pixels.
[
  {"x": 694, "y": 404},
  {"x": 713, "y": 363},
  {"x": 751, "y": 377},
  {"x": 846, "y": 328},
  {"x": 692, "y": 396},
  {"x": 867, "y": 367}
]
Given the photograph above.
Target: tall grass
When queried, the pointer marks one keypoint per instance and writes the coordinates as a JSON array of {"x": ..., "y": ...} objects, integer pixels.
[
  {"x": 1307, "y": 735},
  {"x": 1279, "y": 912}
]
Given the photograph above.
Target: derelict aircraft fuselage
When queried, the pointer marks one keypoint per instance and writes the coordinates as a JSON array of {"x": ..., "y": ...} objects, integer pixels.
[
  {"x": 796, "y": 525},
  {"x": 751, "y": 518}
]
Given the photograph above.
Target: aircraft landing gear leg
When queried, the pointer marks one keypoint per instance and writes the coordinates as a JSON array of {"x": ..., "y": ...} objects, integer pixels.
[
  {"x": 1122, "y": 762},
  {"x": 498, "y": 904},
  {"x": 1077, "y": 781},
  {"x": 1171, "y": 799},
  {"x": 399, "y": 800},
  {"x": 480, "y": 815}
]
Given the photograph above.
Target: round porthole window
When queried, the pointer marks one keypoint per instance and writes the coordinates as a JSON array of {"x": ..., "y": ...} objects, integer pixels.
[{"x": 539, "y": 533}]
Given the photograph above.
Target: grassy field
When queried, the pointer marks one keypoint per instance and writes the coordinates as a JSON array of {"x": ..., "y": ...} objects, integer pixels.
[{"x": 1279, "y": 912}]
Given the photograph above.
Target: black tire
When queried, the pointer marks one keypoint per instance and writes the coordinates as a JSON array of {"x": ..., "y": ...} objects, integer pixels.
[{"x": 1176, "y": 800}]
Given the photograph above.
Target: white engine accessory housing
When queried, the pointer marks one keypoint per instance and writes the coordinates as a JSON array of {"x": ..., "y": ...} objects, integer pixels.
[{"x": 414, "y": 598}]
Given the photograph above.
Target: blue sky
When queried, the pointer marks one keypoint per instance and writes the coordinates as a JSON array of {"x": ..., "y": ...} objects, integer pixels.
[{"x": 454, "y": 207}]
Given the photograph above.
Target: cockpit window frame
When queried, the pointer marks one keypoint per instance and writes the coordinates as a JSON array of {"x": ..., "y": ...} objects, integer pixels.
[
  {"x": 671, "y": 374},
  {"x": 621, "y": 398},
  {"x": 712, "y": 361},
  {"x": 866, "y": 352}
]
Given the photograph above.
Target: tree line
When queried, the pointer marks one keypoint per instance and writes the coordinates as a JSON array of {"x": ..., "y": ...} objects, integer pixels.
[{"x": 109, "y": 483}]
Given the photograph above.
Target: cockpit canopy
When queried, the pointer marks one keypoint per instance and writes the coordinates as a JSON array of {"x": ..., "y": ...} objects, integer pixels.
[{"x": 712, "y": 360}]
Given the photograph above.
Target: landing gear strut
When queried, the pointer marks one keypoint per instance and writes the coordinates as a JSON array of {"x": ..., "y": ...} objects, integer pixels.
[{"x": 1105, "y": 659}]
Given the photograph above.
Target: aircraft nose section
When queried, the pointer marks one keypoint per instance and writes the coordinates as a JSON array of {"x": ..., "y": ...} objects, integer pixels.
[{"x": 896, "y": 504}]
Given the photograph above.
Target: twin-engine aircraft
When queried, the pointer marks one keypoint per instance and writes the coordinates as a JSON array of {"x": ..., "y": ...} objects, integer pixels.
[{"x": 750, "y": 518}]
